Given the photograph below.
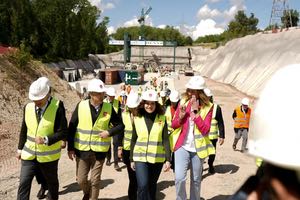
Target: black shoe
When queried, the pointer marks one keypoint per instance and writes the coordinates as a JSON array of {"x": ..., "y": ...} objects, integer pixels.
[
  {"x": 211, "y": 170},
  {"x": 41, "y": 194},
  {"x": 117, "y": 167},
  {"x": 108, "y": 163},
  {"x": 86, "y": 197},
  {"x": 234, "y": 146}
]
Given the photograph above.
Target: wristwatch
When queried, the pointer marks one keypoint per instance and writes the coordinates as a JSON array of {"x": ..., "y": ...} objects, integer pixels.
[{"x": 195, "y": 111}]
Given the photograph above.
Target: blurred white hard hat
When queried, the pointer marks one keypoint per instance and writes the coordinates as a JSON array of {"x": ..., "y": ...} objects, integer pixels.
[
  {"x": 39, "y": 89},
  {"x": 96, "y": 85},
  {"x": 174, "y": 96},
  {"x": 208, "y": 92},
  {"x": 196, "y": 83},
  {"x": 274, "y": 136},
  {"x": 133, "y": 100},
  {"x": 162, "y": 93},
  {"x": 245, "y": 101},
  {"x": 150, "y": 95},
  {"x": 111, "y": 91},
  {"x": 122, "y": 93}
]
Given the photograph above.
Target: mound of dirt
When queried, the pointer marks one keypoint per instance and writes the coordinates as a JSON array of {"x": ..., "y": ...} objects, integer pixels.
[{"x": 14, "y": 85}]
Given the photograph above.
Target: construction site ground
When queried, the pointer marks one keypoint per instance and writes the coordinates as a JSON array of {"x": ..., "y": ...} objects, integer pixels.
[{"x": 232, "y": 167}]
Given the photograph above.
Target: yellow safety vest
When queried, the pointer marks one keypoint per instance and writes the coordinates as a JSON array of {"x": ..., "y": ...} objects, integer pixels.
[
  {"x": 214, "y": 129},
  {"x": 242, "y": 119},
  {"x": 203, "y": 145},
  {"x": 87, "y": 135},
  {"x": 43, "y": 153},
  {"x": 149, "y": 147},
  {"x": 127, "y": 131},
  {"x": 115, "y": 104},
  {"x": 168, "y": 115}
]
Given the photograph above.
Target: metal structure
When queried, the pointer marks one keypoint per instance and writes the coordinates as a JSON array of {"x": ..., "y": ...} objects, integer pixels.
[
  {"x": 279, "y": 8},
  {"x": 141, "y": 21}
]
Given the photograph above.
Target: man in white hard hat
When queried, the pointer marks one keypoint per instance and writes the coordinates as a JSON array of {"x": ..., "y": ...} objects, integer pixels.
[
  {"x": 90, "y": 137},
  {"x": 273, "y": 138},
  {"x": 111, "y": 94},
  {"x": 43, "y": 128},
  {"x": 217, "y": 129},
  {"x": 241, "y": 116},
  {"x": 162, "y": 98}
]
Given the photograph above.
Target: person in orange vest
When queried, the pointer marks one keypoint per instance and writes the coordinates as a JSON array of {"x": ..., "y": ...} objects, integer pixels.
[{"x": 241, "y": 117}]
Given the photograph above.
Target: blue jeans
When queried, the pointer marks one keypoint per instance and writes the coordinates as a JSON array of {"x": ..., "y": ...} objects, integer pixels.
[
  {"x": 183, "y": 161},
  {"x": 147, "y": 175}
]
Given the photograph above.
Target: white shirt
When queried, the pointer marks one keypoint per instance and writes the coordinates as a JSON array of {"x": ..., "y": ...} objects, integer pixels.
[{"x": 189, "y": 143}]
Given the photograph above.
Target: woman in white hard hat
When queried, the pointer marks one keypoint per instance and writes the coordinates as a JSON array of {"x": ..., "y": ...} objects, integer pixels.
[
  {"x": 190, "y": 139},
  {"x": 44, "y": 126},
  {"x": 274, "y": 138},
  {"x": 90, "y": 137},
  {"x": 241, "y": 116},
  {"x": 150, "y": 148},
  {"x": 124, "y": 147}
]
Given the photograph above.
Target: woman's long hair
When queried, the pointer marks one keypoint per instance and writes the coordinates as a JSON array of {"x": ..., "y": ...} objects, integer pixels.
[{"x": 203, "y": 99}]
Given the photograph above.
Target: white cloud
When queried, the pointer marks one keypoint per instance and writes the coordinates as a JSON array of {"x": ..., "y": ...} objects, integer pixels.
[
  {"x": 162, "y": 26},
  {"x": 205, "y": 13},
  {"x": 134, "y": 22},
  {"x": 110, "y": 30},
  {"x": 101, "y": 5}
]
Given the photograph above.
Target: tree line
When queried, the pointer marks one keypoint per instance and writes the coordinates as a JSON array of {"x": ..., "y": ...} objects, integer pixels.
[{"x": 52, "y": 30}]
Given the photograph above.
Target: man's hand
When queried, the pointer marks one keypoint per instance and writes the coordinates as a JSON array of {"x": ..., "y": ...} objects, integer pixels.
[
  {"x": 120, "y": 152},
  {"x": 18, "y": 156},
  {"x": 71, "y": 155},
  {"x": 133, "y": 166},
  {"x": 63, "y": 144},
  {"x": 39, "y": 140},
  {"x": 104, "y": 134},
  {"x": 221, "y": 141}
]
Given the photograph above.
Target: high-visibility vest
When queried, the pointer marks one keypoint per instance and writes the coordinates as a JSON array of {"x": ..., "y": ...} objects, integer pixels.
[
  {"x": 127, "y": 131},
  {"x": 214, "y": 129},
  {"x": 169, "y": 118},
  {"x": 87, "y": 134},
  {"x": 242, "y": 119},
  {"x": 203, "y": 145},
  {"x": 149, "y": 147},
  {"x": 43, "y": 153},
  {"x": 115, "y": 104}
]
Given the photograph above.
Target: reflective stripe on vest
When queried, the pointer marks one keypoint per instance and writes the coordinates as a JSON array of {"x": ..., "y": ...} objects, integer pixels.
[
  {"x": 149, "y": 147},
  {"x": 242, "y": 119},
  {"x": 87, "y": 134},
  {"x": 214, "y": 129},
  {"x": 203, "y": 145},
  {"x": 168, "y": 115},
  {"x": 127, "y": 131},
  {"x": 31, "y": 150}
]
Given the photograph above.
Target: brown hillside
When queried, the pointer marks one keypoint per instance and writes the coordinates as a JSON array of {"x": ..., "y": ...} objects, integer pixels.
[{"x": 14, "y": 85}]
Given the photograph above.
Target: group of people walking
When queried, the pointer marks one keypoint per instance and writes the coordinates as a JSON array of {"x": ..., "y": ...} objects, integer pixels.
[{"x": 149, "y": 135}]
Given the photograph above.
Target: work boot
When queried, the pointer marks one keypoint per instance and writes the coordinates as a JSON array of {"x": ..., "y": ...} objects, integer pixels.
[
  {"x": 86, "y": 197},
  {"x": 234, "y": 143},
  {"x": 211, "y": 169},
  {"x": 117, "y": 167},
  {"x": 41, "y": 193}
]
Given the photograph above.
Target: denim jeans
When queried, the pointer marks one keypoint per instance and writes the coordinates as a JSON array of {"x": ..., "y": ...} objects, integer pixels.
[
  {"x": 147, "y": 175},
  {"x": 183, "y": 161}
]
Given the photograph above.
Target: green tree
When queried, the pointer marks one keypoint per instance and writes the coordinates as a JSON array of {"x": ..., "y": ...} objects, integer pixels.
[
  {"x": 288, "y": 16},
  {"x": 5, "y": 21}
]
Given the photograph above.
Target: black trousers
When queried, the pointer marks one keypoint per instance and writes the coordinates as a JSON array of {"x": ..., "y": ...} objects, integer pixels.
[
  {"x": 115, "y": 150},
  {"x": 29, "y": 169},
  {"x": 41, "y": 179},
  {"x": 212, "y": 157},
  {"x": 132, "y": 188}
]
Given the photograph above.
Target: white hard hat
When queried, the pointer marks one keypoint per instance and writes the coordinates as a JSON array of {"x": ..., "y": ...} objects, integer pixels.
[
  {"x": 133, "y": 100},
  {"x": 174, "y": 96},
  {"x": 208, "y": 92},
  {"x": 39, "y": 89},
  {"x": 150, "y": 95},
  {"x": 196, "y": 83},
  {"x": 245, "y": 101},
  {"x": 162, "y": 93},
  {"x": 274, "y": 136},
  {"x": 111, "y": 91},
  {"x": 96, "y": 85}
]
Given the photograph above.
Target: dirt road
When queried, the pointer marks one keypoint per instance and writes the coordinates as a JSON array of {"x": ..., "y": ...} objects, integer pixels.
[{"x": 232, "y": 167}]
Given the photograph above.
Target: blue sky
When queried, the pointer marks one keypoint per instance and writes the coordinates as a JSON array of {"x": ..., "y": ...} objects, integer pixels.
[{"x": 192, "y": 17}]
